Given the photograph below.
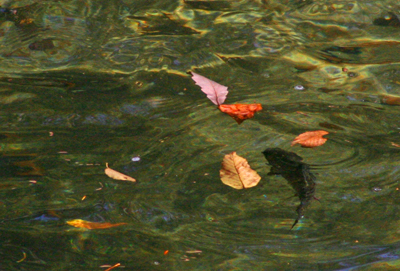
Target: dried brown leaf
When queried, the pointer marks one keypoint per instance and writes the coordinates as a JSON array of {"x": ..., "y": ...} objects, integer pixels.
[
  {"x": 117, "y": 175},
  {"x": 236, "y": 172},
  {"x": 310, "y": 139},
  {"x": 396, "y": 145}
]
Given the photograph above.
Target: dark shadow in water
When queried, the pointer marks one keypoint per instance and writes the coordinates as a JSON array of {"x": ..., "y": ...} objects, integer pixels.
[{"x": 290, "y": 166}]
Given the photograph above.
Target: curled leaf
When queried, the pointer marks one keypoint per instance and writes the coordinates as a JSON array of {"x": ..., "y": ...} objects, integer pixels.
[
  {"x": 240, "y": 112},
  {"x": 215, "y": 92},
  {"x": 117, "y": 175},
  {"x": 79, "y": 223},
  {"x": 310, "y": 139},
  {"x": 236, "y": 172}
]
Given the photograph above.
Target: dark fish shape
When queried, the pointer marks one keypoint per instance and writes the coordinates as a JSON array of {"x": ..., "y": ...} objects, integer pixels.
[
  {"x": 290, "y": 166},
  {"x": 42, "y": 45}
]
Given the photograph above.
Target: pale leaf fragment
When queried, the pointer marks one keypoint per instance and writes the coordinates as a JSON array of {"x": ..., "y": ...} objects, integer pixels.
[
  {"x": 117, "y": 175},
  {"x": 236, "y": 172},
  {"x": 193, "y": 251}
]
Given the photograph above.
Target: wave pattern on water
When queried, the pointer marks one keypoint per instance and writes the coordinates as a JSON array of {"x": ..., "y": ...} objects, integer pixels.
[{"x": 85, "y": 83}]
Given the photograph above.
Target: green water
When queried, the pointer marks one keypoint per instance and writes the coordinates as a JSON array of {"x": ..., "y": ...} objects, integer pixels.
[{"x": 85, "y": 83}]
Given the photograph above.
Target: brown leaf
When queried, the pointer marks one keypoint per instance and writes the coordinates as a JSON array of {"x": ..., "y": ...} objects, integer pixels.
[
  {"x": 240, "y": 112},
  {"x": 310, "y": 139},
  {"x": 79, "y": 223},
  {"x": 237, "y": 173},
  {"x": 396, "y": 145},
  {"x": 117, "y": 175}
]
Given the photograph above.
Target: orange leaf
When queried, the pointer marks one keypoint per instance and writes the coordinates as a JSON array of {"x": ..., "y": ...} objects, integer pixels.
[
  {"x": 79, "y": 223},
  {"x": 396, "y": 145},
  {"x": 237, "y": 173},
  {"x": 112, "y": 267},
  {"x": 240, "y": 112},
  {"x": 117, "y": 175},
  {"x": 310, "y": 139}
]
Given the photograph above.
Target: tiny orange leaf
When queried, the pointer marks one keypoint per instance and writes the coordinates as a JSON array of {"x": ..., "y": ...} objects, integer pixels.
[
  {"x": 79, "y": 223},
  {"x": 117, "y": 175},
  {"x": 112, "y": 267},
  {"x": 240, "y": 112},
  {"x": 310, "y": 139},
  {"x": 396, "y": 145},
  {"x": 236, "y": 172}
]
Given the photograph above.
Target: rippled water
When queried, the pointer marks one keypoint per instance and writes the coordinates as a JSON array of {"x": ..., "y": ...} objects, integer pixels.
[{"x": 84, "y": 83}]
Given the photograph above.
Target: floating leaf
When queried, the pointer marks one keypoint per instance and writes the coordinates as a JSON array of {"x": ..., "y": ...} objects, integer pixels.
[
  {"x": 396, "y": 145},
  {"x": 310, "y": 139},
  {"x": 117, "y": 175},
  {"x": 79, "y": 223},
  {"x": 237, "y": 173},
  {"x": 240, "y": 112},
  {"x": 215, "y": 92},
  {"x": 112, "y": 267}
]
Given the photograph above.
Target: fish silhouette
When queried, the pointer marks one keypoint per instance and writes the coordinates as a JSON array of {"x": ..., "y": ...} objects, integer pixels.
[
  {"x": 41, "y": 45},
  {"x": 290, "y": 166}
]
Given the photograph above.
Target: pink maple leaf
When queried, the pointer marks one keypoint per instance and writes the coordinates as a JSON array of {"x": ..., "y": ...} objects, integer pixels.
[{"x": 215, "y": 92}]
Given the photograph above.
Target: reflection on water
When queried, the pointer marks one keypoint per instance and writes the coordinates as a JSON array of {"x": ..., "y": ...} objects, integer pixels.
[{"x": 88, "y": 82}]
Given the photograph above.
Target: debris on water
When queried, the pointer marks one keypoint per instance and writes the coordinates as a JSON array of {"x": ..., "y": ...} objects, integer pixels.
[
  {"x": 23, "y": 258},
  {"x": 135, "y": 159},
  {"x": 352, "y": 74},
  {"x": 376, "y": 189},
  {"x": 111, "y": 267}
]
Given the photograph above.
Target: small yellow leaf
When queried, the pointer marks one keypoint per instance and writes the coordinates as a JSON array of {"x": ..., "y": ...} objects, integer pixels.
[
  {"x": 237, "y": 173},
  {"x": 79, "y": 223},
  {"x": 117, "y": 175}
]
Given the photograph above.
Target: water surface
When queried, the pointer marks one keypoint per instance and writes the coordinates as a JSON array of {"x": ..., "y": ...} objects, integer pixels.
[{"x": 84, "y": 83}]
